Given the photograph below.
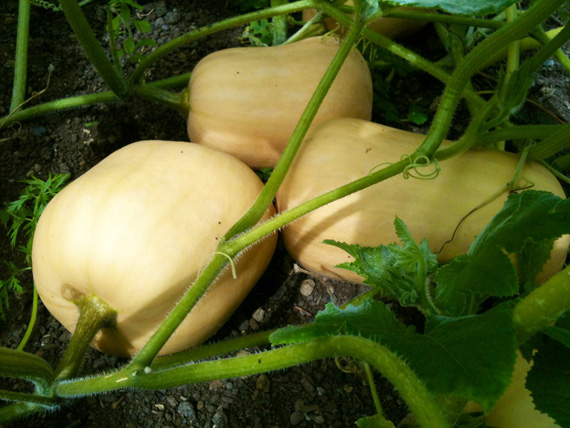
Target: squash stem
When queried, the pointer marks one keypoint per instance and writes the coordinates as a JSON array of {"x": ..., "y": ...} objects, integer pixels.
[
  {"x": 420, "y": 401},
  {"x": 94, "y": 314},
  {"x": 252, "y": 216},
  {"x": 543, "y": 306}
]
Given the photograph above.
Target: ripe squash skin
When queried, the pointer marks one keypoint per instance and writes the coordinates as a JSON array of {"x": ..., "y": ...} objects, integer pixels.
[
  {"x": 515, "y": 407},
  {"x": 343, "y": 150},
  {"x": 135, "y": 230},
  {"x": 247, "y": 101}
]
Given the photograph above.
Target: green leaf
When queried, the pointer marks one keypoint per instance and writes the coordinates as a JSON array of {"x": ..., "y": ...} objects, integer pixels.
[
  {"x": 471, "y": 357},
  {"x": 492, "y": 275},
  {"x": 531, "y": 214},
  {"x": 129, "y": 46},
  {"x": 526, "y": 225},
  {"x": 116, "y": 23},
  {"x": 142, "y": 26},
  {"x": 146, "y": 42},
  {"x": 417, "y": 115},
  {"x": 458, "y": 7},
  {"x": 376, "y": 421},
  {"x": 549, "y": 381},
  {"x": 400, "y": 272},
  {"x": 125, "y": 13}
]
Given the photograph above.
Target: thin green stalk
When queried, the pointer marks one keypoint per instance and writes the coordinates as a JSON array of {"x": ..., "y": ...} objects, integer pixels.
[
  {"x": 373, "y": 391},
  {"x": 252, "y": 216},
  {"x": 550, "y": 48},
  {"x": 63, "y": 104},
  {"x": 32, "y": 321},
  {"x": 94, "y": 314},
  {"x": 420, "y": 401},
  {"x": 21, "y": 58},
  {"x": 213, "y": 350},
  {"x": 555, "y": 172},
  {"x": 111, "y": 76},
  {"x": 543, "y": 306},
  {"x": 226, "y": 24},
  {"x": 85, "y": 100},
  {"x": 544, "y": 37}
]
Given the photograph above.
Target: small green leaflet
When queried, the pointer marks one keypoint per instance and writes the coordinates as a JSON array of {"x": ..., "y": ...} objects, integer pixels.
[
  {"x": 471, "y": 357},
  {"x": 393, "y": 268},
  {"x": 458, "y": 7}
]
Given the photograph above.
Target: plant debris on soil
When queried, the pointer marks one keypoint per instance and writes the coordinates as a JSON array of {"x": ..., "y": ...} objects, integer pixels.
[{"x": 316, "y": 394}]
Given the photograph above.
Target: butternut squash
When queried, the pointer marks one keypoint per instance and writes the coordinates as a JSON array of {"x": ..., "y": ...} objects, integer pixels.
[
  {"x": 247, "y": 101},
  {"x": 343, "y": 150},
  {"x": 136, "y": 229}
]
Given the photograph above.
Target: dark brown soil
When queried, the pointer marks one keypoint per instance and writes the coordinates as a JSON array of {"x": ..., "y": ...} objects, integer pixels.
[{"x": 307, "y": 395}]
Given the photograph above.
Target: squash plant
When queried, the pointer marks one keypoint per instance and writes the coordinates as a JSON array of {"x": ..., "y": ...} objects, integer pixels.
[{"x": 478, "y": 308}]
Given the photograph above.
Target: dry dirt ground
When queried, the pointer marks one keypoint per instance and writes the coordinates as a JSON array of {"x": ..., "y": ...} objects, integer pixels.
[{"x": 317, "y": 394}]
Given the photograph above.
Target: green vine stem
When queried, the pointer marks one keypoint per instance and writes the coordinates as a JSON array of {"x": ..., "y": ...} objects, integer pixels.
[
  {"x": 444, "y": 19},
  {"x": 111, "y": 76},
  {"x": 21, "y": 58},
  {"x": 279, "y": 24},
  {"x": 543, "y": 306},
  {"x": 511, "y": 31},
  {"x": 373, "y": 390},
  {"x": 552, "y": 144},
  {"x": 544, "y": 37},
  {"x": 213, "y": 350},
  {"x": 420, "y": 401},
  {"x": 94, "y": 314},
  {"x": 514, "y": 48},
  {"x": 531, "y": 132},
  {"x": 252, "y": 216}
]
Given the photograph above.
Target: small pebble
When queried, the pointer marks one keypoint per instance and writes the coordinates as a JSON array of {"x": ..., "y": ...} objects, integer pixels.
[
  {"x": 296, "y": 418},
  {"x": 307, "y": 287}
]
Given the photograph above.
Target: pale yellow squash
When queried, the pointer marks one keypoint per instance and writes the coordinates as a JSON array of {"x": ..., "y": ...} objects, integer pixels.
[
  {"x": 247, "y": 101},
  {"x": 136, "y": 229},
  {"x": 343, "y": 150},
  {"x": 515, "y": 408}
]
